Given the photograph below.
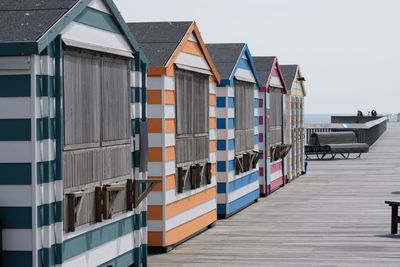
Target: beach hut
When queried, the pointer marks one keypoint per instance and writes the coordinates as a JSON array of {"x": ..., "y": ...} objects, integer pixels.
[
  {"x": 273, "y": 172},
  {"x": 181, "y": 98},
  {"x": 294, "y": 130},
  {"x": 237, "y": 127},
  {"x": 72, "y": 136}
]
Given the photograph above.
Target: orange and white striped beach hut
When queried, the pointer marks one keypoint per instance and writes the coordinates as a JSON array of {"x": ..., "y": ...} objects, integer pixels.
[{"x": 181, "y": 112}]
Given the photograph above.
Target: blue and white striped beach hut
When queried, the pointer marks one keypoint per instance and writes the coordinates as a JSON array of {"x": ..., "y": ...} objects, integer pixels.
[{"x": 237, "y": 127}]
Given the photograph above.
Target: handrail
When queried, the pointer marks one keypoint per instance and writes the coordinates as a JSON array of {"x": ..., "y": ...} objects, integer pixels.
[{"x": 366, "y": 125}]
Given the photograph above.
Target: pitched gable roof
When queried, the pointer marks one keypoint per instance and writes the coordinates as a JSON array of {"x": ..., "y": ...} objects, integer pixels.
[
  {"x": 159, "y": 40},
  {"x": 29, "y": 26},
  {"x": 27, "y": 21},
  {"x": 264, "y": 67},
  {"x": 163, "y": 41},
  {"x": 289, "y": 73},
  {"x": 225, "y": 57}
]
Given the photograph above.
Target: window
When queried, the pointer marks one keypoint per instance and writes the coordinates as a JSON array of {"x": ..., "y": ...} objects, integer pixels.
[
  {"x": 276, "y": 124},
  {"x": 192, "y": 130},
  {"x": 245, "y": 158},
  {"x": 97, "y": 130},
  {"x": 192, "y": 91},
  {"x": 244, "y": 117}
]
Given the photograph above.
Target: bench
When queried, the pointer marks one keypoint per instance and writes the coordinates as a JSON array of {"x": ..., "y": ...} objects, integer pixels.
[
  {"x": 333, "y": 143},
  {"x": 395, "y": 215}
]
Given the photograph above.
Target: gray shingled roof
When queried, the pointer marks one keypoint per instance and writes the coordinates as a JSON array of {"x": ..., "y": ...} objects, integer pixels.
[
  {"x": 159, "y": 40},
  {"x": 27, "y": 20},
  {"x": 264, "y": 67},
  {"x": 289, "y": 73},
  {"x": 225, "y": 57}
]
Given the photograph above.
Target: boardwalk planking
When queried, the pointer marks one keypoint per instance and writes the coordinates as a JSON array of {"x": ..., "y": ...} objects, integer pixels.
[{"x": 333, "y": 216}]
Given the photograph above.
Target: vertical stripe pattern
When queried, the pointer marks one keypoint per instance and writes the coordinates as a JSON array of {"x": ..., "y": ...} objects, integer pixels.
[
  {"x": 234, "y": 191},
  {"x": 31, "y": 185},
  {"x": 173, "y": 217},
  {"x": 271, "y": 176}
]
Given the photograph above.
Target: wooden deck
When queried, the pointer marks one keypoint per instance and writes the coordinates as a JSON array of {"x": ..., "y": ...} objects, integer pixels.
[{"x": 333, "y": 216}]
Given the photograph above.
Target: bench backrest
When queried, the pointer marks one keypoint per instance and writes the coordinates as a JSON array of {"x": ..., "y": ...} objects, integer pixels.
[{"x": 333, "y": 138}]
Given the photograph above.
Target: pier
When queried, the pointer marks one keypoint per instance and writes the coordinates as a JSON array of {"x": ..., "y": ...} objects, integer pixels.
[{"x": 333, "y": 216}]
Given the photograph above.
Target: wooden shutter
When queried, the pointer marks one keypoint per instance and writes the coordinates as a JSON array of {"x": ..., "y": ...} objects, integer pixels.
[
  {"x": 82, "y": 167},
  {"x": 276, "y": 115},
  {"x": 116, "y": 162},
  {"x": 96, "y": 118},
  {"x": 184, "y": 113},
  {"x": 184, "y": 104},
  {"x": 81, "y": 99},
  {"x": 200, "y": 103},
  {"x": 115, "y": 100},
  {"x": 249, "y": 126},
  {"x": 244, "y": 116},
  {"x": 201, "y": 147},
  {"x": 201, "y": 106},
  {"x": 191, "y": 95},
  {"x": 184, "y": 150}
]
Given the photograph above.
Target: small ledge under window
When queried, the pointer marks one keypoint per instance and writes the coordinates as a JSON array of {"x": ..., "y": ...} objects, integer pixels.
[
  {"x": 246, "y": 162},
  {"x": 193, "y": 176}
]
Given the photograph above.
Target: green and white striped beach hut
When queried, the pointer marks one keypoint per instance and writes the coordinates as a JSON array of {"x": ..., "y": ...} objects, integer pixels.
[{"x": 72, "y": 111}]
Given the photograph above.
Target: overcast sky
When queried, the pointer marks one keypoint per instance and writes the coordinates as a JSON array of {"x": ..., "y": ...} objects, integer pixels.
[{"x": 348, "y": 50}]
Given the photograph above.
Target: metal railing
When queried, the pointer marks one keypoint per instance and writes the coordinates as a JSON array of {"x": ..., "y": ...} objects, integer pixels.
[{"x": 367, "y": 129}]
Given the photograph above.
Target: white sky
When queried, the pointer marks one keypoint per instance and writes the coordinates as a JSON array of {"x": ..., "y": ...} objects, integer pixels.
[{"x": 348, "y": 50}]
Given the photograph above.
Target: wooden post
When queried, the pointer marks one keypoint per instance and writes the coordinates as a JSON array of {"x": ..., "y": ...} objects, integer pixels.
[
  {"x": 71, "y": 212},
  {"x": 106, "y": 203},
  {"x": 98, "y": 203},
  {"x": 246, "y": 162},
  {"x": 136, "y": 194},
  {"x": 129, "y": 195},
  {"x": 181, "y": 183},
  {"x": 395, "y": 215},
  {"x": 237, "y": 168},
  {"x": 193, "y": 177},
  {"x": 198, "y": 175},
  {"x": 208, "y": 173}
]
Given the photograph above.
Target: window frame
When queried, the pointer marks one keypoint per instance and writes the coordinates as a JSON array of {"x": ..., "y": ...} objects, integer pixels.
[
  {"x": 243, "y": 118},
  {"x": 102, "y": 146},
  {"x": 276, "y": 115},
  {"x": 193, "y": 135}
]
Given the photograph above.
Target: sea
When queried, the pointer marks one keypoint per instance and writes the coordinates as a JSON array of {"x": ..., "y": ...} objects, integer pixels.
[{"x": 317, "y": 118}]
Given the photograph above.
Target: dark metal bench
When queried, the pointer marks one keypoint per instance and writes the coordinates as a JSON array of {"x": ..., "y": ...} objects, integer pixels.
[
  {"x": 395, "y": 215},
  {"x": 334, "y": 143}
]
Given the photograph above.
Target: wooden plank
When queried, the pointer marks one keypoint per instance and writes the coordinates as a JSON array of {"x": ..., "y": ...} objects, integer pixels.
[
  {"x": 98, "y": 202},
  {"x": 71, "y": 212},
  {"x": 333, "y": 216},
  {"x": 106, "y": 204},
  {"x": 129, "y": 194},
  {"x": 81, "y": 98}
]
